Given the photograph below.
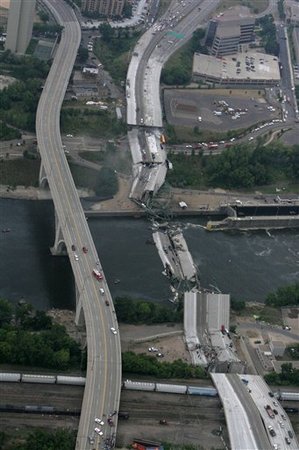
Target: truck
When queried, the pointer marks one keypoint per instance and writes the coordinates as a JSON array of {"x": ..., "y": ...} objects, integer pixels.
[
  {"x": 97, "y": 274},
  {"x": 270, "y": 411}
]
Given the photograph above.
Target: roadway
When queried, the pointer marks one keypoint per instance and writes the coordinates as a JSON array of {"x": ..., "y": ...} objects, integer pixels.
[
  {"x": 103, "y": 377},
  {"x": 287, "y": 83},
  {"x": 243, "y": 421}
]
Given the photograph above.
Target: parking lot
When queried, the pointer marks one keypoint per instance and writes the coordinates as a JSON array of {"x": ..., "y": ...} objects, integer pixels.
[{"x": 218, "y": 109}]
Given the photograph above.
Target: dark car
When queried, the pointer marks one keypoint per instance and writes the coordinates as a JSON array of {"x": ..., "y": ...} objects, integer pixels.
[
  {"x": 275, "y": 411},
  {"x": 73, "y": 248},
  {"x": 287, "y": 440},
  {"x": 84, "y": 249},
  {"x": 290, "y": 434},
  {"x": 271, "y": 394}
]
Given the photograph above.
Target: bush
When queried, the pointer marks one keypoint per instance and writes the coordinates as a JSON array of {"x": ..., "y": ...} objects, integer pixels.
[
  {"x": 49, "y": 440},
  {"x": 34, "y": 340},
  {"x": 149, "y": 365},
  {"x": 288, "y": 376},
  {"x": 140, "y": 311},
  {"x": 284, "y": 296}
]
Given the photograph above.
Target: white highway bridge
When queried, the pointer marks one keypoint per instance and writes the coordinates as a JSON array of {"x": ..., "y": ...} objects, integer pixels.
[{"x": 103, "y": 376}]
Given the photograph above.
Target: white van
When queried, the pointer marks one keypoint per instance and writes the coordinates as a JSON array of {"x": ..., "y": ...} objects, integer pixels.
[{"x": 102, "y": 291}]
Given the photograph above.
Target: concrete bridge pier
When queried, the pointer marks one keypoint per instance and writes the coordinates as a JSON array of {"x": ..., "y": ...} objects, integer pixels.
[
  {"x": 79, "y": 319},
  {"x": 59, "y": 248},
  {"x": 43, "y": 178}
]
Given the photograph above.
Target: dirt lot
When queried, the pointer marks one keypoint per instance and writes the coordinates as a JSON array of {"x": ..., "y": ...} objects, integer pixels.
[{"x": 183, "y": 107}]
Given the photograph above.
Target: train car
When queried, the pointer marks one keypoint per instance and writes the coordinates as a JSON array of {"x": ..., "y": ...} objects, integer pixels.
[
  {"x": 139, "y": 386},
  {"x": 77, "y": 381},
  {"x": 32, "y": 408},
  {"x": 291, "y": 396},
  {"x": 47, "y": 409},
  {"x": 171, "y": 388},
  {"x": 43, "y": 379},
  {"x": 195, "y": 390},
  {"x": 10, "y": 377}
]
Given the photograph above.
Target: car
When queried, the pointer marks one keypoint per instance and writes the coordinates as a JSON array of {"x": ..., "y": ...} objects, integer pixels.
[
  {"x": 275, "y": 412},
  {"x": 232, "y": 139},
  {"x": 113, "y": 330},
  {"x": 84, "y": 249},
  {"x": 106, "y": 302},
  {"x": 251, "y": 138},
  {"x": 99, "y": 421},
  {"x": 287, "y": 440},
  {"x": 160, "y": 355},
  {"x": 73, "y": 247},
  {"x": 98, "y": 431},
  {"x": 76, "y": 257},
  {"x": 283, "y": 416},
  {"x": 275, "y": 403},
  {"x": 199, "y": 118},
  {"x": 102, "y": 291},
  {"x": 69, "y": 135},
  {"x": 290, "y": 434}
]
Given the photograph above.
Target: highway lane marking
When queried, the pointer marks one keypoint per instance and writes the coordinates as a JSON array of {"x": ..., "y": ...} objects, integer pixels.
[{"x": 56, "y": 161}]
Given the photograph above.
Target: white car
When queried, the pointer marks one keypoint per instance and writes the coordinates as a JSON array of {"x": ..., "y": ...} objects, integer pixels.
[
  {"x": 113, "y": 330},
  {"x": 69, "y": 135},
  {"x": 98, "y": 431},
  {"x": 99, "y": 421},
  {"x": 76, "y": 257}
]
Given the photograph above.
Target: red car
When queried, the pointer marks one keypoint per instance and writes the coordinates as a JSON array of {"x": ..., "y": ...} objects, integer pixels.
[{"x": 84, "y": 249}]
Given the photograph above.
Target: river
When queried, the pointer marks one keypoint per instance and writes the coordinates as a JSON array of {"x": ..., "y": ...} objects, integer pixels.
[{"x": 246, "y": 265}]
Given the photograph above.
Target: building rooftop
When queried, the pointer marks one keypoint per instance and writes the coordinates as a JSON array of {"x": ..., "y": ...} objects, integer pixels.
[
  {"x": 241, "y": 66},
  {"x": 225, "y": 31}
]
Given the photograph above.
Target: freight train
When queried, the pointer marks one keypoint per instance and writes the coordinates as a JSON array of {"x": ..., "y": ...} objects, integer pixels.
[
  {"x": 169, "y": 388},
  {"x": 130, "y": 385},
  {"x": 127, "y": 384}
]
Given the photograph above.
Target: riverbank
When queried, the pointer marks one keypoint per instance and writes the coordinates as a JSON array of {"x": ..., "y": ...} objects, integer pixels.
[{"x": 204, "y": 202}]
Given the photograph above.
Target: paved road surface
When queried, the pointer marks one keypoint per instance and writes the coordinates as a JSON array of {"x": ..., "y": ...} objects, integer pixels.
[{"x": 102, "y": 391}]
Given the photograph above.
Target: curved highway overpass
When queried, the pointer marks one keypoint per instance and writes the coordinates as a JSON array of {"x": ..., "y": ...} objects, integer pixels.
[{"x": 103, "y": 376}]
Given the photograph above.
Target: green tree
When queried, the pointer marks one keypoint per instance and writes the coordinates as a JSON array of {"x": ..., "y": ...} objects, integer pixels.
[
  {"x": 107, "y": 32},
  {"x": 284, "y": 296},
  {"x": 6, "y": 312},
  {"x": 44, "y": 16},
  {"x": 82, "y": 54}
]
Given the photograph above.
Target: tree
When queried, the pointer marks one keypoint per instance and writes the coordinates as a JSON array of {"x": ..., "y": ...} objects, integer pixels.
[
  {"x": 6, "y": 312},
  {"x": 44, "y": 16},
  {"x": 284, "y": 296},
  {"x": 107, "y": 32},
  {"x": 82, "y": 54}
]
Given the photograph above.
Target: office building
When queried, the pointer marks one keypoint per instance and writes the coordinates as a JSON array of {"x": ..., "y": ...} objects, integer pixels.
[
  {"x": 228, "y": 34},
  {"x": 107, "y": 8},
  {"x": 19, "y": 26}
]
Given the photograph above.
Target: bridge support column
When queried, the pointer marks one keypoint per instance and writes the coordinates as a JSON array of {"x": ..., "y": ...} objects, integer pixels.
[
  {"x": 79, "y": 319},
  {"x": 59, "y": 248},
  {"x": 42, "y": 179}
]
